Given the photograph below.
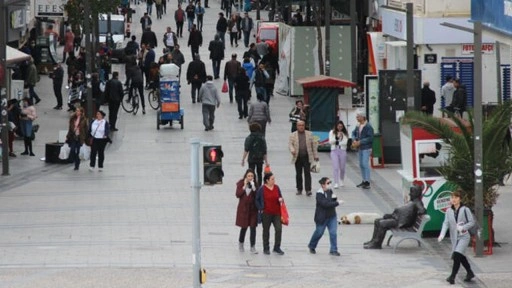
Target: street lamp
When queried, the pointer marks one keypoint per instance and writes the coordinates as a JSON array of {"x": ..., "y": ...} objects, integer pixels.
[{"x": 477, "y": 116}]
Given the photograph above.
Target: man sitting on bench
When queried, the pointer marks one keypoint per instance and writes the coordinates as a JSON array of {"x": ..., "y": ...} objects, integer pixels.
[{"x": 402, "y": 217}]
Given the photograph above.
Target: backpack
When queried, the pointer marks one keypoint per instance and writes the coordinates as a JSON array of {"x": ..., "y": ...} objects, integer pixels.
[
  {"x": 476, "y": 229},
  {"x": 258, "y": 149}
]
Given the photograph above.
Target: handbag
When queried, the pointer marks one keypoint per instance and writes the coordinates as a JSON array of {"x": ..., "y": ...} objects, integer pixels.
[
  {"x": 225, "y": 87},
  {"x": 64, "y": 152},
  {"x": 285, "y": 218},
  {"x": 315, "y": 167}
]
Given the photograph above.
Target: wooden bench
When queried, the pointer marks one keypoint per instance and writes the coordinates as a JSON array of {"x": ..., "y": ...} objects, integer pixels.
[{"x": 413, "y": 232}]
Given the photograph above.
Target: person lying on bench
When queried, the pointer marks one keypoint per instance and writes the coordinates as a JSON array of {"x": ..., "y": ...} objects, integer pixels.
[{"x": 402, "y": 217}]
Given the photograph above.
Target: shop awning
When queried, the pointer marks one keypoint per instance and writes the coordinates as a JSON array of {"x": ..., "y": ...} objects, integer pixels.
[
  {"x": 15, "y": 56},
  {"x": 322, "y": 81}
]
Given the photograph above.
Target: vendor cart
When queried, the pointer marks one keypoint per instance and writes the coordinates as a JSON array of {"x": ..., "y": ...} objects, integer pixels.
[{"x": 170, "y": 109}]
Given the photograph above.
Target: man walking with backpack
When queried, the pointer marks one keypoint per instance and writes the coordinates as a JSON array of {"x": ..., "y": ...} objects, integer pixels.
[{"x": 255, "y": 147}]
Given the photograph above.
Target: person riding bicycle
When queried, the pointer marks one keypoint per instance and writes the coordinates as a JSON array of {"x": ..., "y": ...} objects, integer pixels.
[
  {"x": 137, "y": 82},
  {"x": 154, "y": 76}
]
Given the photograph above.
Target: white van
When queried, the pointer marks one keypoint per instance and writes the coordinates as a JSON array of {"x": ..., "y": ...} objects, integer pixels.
[{"x": 117, "y": 23}]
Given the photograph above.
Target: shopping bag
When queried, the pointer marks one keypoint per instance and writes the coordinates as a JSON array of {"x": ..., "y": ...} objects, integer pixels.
[
  {"x": 225, "y": 87},
  {"x": 85, "y": 152},
  {"x": 267, "y": 169},
  {"x": 315, "y": 167},
  {"x": 64, "y": 152},
  {"x": 285, "y": 218}
]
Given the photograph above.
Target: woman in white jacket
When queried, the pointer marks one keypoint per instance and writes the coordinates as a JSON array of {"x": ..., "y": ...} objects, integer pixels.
[
  {"x": 459, "y": 220},
  {"x": 338, "y": 138}
]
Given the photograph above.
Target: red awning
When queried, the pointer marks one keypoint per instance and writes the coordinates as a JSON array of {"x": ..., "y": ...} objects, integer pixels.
[{"x": 322, "y": 81}]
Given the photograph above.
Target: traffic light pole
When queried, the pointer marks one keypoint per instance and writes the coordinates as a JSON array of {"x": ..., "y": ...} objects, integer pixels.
[{"x": 195, "y": 147}]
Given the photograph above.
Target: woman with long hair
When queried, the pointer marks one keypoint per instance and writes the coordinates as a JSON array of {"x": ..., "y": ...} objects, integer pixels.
[
  {"x": 100, "y": 129},
  {"x": 268, "y": 202},
  {"x": 246, "y": 212},
  {"x": 338, "y": 138},
  {"x": 77, "y": 133},
  {"x": 28, "y": 115},
  {"x": 458, "y": 219}
]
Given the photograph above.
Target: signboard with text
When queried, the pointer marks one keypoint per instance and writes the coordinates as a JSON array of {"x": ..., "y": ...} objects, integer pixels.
[
  {"x": 469, "y": 48},
  {"x": 49, "y": 8}
]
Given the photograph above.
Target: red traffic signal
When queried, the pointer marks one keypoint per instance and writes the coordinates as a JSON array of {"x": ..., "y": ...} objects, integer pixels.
[{"x": 212, "y": 165}]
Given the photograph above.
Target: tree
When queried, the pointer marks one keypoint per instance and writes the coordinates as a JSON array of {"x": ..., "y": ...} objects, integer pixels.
[{"x": 459, "y": 168}]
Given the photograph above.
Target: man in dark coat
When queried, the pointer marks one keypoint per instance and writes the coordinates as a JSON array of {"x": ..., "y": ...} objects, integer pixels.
[
  {"x": 195, "y": 40},
  {"x": 230, "y": 73},
  {"x": 402, "y": 217},
  {"x": 137, "y": 82},
  {"x": 177, "y": 57},
  {"x": 222, "y": 27},
  {"x": 149, "y": 38},
  {"x": 196, "y": 75},
  {"x": 458, "y": 104},
  {"x": 58, "y": 78},
  {"x": 216, "y": 48},
  {"x": 428, "y": 99},
  {"x": 114, "y": 93}
]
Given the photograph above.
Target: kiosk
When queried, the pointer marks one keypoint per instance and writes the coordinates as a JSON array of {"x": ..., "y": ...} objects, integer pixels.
[{"x": 321, "y": 94}]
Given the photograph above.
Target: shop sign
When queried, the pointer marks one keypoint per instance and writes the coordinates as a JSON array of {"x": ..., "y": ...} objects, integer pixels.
[
  {"x": 430, "y": 59},
  {"x": 487, "y": 48},
  {"x": 442, "y": 202},
  {"x": 50, "y": 8}
]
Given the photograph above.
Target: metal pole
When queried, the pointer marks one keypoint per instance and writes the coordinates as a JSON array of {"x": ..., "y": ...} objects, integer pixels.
[
  {"x": 477, "y": 86},
  {"x": 353, "y": 38},
  {"x": 410, "y": 57},
  {"x": 498, "y": 73},
  {"x": 195, "y": 145},
  {"x": 89, "y": 55},
  {"x": 3, "y": 87},
  {"x": 328, "y": 38}
]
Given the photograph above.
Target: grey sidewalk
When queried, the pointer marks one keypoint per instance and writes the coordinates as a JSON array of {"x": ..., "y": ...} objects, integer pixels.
[{"x": 130, "y": 226}]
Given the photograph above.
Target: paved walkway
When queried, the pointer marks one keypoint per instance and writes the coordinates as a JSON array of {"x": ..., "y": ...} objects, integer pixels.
[{"x": 130, "y": 226}]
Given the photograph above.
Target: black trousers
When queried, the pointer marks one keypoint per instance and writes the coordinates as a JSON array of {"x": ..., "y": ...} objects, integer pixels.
[
  {"x": 241, "y": 101},
  {"x": 179, "y": 29},
  {"x": 98, "y": 148},
  {"x": 113, "y": 109},
  {"x": 302, "y": 165},
  {"x": 257, "y": 167},
  {"x": 241, "y": 237},
  {"x": 266, "y": 221},
  {"x": 57, "y": 89},
  {"x": 458, "y": 259},
  {"x": 140, "y": 87}
]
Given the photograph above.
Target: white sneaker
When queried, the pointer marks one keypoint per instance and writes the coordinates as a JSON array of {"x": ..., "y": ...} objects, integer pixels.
[
  {"x": 91, "y": 168},
  {"x": 335, "y": 185},
  {"x": 341, "y": 183},
  {"x": 100, "y": 169}
]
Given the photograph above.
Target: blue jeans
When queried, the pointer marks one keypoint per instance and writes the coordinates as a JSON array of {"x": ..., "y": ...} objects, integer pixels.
[
  {"x": 75, "y": 145},
  {"x": 190, "y": 23},
  {"x": 332, "y": 225},
  {"x": 216, "y": 68},
  {"x": 231, "y": 85},
  {"x": 222, "y": 35},
  {"x": 364, "y": 163},
  {"x": 149, "y": 8},
  {"x": 261, "y": 90},
  {"x": 247, "y": 37}
]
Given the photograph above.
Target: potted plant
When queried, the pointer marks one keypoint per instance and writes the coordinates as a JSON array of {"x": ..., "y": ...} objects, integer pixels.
[{"x": 459, "y": 167}]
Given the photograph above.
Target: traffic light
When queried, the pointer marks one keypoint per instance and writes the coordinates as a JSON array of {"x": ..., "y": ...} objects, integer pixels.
[{"x": 212, "y": 164}]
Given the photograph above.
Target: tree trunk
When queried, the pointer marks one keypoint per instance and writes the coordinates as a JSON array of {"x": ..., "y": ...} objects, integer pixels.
[{"x": 319, "y": 36}]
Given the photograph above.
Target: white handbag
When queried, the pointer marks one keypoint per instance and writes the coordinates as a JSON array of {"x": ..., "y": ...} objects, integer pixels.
[
  {"x": 64, "y": 152},
  {"x": 315, "y": 167}
]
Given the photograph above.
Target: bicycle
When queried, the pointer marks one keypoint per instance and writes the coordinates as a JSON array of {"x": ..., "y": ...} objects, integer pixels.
[
  {"x": 154, "y": 98},
  {"x": 130, "y": 105}
]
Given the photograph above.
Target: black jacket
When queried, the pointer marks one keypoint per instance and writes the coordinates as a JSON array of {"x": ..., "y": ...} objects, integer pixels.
[
  {"x": 216, "y": 48},
  {"x": 149, "y": 38},
  {"x": 428, "y": 99},
  {"x": 222, "y": 24},
  {"x": 195, "y": 39},
  {"x": 459, "y": 98},
  {"x": 196, "y": 72},
  {"x": 114, "y": 91},
  {"x": 325, "y": 206}
]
